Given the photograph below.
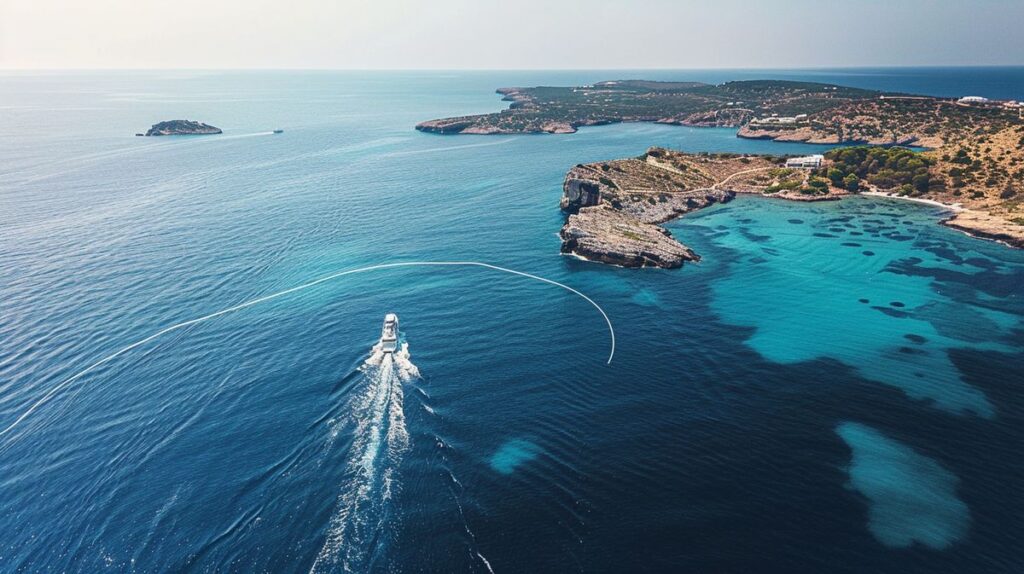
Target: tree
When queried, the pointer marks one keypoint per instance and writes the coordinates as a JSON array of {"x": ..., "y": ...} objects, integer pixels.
[
  {"x": 852, "y": 183},
  {"x": 920, "y": 183}
]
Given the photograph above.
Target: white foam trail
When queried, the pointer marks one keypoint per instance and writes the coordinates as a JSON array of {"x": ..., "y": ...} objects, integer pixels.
[
  {"x": 66, "y": 382},
  {"x": 486, "y": 562},
  {"x": 465, "y": 523},
  {"x": 380, "y": 440}
]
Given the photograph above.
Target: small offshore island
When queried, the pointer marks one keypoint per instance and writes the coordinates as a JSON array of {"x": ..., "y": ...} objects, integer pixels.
[
  {"x": 181, "y": 128},
  {"x": 974, "y": 163}
]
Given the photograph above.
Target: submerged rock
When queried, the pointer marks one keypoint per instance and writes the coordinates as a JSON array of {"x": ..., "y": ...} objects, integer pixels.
[
  {"x": 182, "y": 128},
  {"x": 912, "y": 499}
]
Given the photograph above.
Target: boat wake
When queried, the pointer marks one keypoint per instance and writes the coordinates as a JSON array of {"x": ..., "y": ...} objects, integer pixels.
[
  {"x": 363, "y": 522},
  {"x": 58, "y": 388}
]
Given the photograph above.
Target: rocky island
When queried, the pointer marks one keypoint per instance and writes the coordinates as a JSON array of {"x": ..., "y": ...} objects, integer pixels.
[
  {"x": 181, "y": 128},
  {"x": 974, "y": 161}
]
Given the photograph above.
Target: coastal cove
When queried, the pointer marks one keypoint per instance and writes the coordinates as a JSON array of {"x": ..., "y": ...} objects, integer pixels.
[
  {"x": 614, "y": 207},
  {"x": 759, "y": 404}
]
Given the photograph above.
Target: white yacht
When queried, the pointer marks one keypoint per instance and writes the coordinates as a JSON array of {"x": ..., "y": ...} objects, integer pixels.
[{"x": 389, "y": 334}]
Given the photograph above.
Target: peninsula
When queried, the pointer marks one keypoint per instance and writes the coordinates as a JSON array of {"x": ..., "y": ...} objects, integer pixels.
[
  {"x": 181, "y": 128},
  {"x": 614, "y": 208},
  {"x": 974, "y": 160}
]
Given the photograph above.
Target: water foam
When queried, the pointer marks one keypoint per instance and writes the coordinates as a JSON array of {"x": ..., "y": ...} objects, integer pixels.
[{"x": 371, "y": 477}]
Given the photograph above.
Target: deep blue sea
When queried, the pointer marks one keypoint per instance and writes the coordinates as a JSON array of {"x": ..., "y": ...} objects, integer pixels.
[{"x": 836, "y": 387}]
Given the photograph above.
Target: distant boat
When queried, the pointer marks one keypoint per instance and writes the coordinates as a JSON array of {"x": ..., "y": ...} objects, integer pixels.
[
  {"x": 389, "y": 334},
  {"x": 278, "y": 131}
]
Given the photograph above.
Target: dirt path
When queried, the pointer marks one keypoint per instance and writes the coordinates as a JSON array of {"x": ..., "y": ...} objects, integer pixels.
[{"x": 746, "y": 171}]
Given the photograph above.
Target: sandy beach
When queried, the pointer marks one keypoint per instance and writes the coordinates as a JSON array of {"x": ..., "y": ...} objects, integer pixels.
[{"x": 952, "y": 207}]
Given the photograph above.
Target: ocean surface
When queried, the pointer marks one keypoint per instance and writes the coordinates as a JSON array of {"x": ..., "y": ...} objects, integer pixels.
[{"x": 836, "y": 387}]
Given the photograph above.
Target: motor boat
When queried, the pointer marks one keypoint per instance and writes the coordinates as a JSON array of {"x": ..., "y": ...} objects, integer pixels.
[
  {"x": 278, "y": 131},
  {"x": 389, "y": 334}
]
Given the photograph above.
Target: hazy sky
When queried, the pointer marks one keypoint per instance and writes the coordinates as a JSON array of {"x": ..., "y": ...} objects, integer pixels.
[{"x": 483, "y": 34}]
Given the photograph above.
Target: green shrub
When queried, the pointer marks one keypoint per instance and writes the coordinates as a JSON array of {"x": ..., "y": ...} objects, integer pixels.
[
  {"x": 886, "y": 168},
  {"x": 852, "y": 183}
]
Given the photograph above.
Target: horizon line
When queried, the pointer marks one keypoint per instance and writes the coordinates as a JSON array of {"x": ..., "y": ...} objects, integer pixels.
[{"x": 386, "y": 69}]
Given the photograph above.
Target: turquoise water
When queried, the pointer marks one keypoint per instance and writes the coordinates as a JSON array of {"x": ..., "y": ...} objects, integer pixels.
[
  {"x": 912, "y": 498},
  {"x": 835, "y": 387},
  {"x": 836, "y": 281}
]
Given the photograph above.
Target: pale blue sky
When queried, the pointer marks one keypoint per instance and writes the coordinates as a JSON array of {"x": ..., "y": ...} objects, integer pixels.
[{"x": 487, "y": 34}]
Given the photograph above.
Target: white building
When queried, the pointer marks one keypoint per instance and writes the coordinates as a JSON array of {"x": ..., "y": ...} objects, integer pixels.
[
  {"x": 973, "y": 100},
  {"x": 809, "y": 161},
  {"x": 780, "y": 120}
]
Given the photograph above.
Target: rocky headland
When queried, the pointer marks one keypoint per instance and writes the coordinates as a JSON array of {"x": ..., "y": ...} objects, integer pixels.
[
  {"x": 988, "y": 226},
  {"x": 615, "y": 207},
  {"x": 182, "y": 128}
]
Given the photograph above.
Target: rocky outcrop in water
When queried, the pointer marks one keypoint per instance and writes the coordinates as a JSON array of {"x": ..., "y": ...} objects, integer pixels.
[
  {"x": 603, "y": 234},
  {"x": 988, "y": 226},
  {"x": 182, "y": 128},
  {"x": 615, "y": 207}
]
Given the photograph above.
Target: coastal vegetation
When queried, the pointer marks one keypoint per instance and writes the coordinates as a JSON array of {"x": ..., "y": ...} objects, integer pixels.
[
  {"x": 982, "y": 172},
  {"x": 764, "y": 109},
  {"x": 893, "y": 168},
  {"x": 564, "y": 109}
]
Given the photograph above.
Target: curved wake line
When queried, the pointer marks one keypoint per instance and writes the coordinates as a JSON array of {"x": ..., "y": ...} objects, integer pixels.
[{"x": 66, "y": 382}]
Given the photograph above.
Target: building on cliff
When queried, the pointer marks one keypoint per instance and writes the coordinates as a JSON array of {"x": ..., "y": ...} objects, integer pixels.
[{"x": 809, "y": 161}]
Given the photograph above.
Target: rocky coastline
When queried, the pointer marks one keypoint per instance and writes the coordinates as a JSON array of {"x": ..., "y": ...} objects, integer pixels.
[
  {"x": 987, "y": 226},
  {"x": 605, "y": 235},
  {"x": 777, "y": 110},
  {"x": 811, "y": 136},
  {"x": 614, "y": 209}
]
